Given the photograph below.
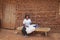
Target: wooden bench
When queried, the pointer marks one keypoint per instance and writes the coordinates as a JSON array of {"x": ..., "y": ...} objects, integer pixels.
[
  {"x": 18, "y": 29},
  {"x": 45, "y": 30}
]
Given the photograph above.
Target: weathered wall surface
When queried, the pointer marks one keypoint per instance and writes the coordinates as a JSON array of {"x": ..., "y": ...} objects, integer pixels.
[
  {"x": 0, "y": 12},
  {"x": 0, "y": 9},
  {"x": 44, "y": 12},
  {"x": 9, "y": 10}
]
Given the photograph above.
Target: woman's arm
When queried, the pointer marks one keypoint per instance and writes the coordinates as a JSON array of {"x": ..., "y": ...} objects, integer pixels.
[
  {"x": 24, "y": 25},
  {"x": 24, "y": 22}
]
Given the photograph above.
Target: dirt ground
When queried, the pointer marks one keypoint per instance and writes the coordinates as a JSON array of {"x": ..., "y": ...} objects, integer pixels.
[{"x": 6, "y": 34}]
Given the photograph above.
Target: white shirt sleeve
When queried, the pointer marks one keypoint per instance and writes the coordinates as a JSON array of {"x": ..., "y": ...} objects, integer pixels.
[
  {"x": 30, "y": 21},
  {"x": 24, "y": 21},
  {"x": 27, "y": 22}
]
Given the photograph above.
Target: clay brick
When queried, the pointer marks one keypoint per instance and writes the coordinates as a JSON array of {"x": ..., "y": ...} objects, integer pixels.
[{"x": 43, "y": 12}]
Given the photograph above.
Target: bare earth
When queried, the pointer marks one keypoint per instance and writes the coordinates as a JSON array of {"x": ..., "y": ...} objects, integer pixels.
[{"x": 11, "y": 35}]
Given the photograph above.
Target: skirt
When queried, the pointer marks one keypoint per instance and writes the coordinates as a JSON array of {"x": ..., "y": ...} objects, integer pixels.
[{"x": 27, "y": 30}]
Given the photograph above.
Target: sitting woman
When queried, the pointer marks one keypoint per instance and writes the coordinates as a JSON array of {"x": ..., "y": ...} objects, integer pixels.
[{"x": 27, "y": 26}]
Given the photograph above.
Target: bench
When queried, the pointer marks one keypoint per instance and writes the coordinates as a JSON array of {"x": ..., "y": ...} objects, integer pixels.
[{"x": 45, "y": 30}]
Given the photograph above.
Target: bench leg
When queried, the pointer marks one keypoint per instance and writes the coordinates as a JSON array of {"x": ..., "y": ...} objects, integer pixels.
[{"x": 45, "y": 33}]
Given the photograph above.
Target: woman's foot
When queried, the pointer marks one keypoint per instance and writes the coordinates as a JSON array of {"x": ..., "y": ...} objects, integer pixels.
[{"x": 25, "y": 35}]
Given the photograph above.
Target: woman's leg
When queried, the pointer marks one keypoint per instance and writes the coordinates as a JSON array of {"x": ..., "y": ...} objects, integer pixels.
[{"x": 24, "y": 31}]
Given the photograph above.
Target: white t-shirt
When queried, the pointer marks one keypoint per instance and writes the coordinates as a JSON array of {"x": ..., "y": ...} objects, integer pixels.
[
  {"x": 30, "y": 27},
  {"x": 27, "y": 22}
]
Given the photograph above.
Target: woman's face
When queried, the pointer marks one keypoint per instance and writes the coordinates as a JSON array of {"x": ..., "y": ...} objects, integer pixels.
[{"x": 27, "y": 17}]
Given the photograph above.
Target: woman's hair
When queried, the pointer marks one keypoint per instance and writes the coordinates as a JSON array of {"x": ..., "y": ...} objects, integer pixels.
[{"x": 27, "y": 15}]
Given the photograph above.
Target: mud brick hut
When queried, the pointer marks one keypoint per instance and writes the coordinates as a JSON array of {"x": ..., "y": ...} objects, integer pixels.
[{"x": 46, "y": 13}]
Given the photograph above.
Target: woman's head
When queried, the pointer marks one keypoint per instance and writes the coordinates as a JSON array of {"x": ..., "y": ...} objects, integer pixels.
[{"x": 27, "y": 16}]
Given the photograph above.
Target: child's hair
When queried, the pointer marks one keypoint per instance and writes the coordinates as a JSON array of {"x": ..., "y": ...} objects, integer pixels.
[{"x": 27, "y": 15}]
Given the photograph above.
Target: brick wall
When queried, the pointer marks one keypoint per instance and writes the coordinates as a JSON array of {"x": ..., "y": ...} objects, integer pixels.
[
  {"x": 0, "y": 9},
  {"x": 43, "y": 12},
  {"x": 46, "y": 13},
  {"x": 0, "y": 12},
  {"x": 9, "y": 10}
]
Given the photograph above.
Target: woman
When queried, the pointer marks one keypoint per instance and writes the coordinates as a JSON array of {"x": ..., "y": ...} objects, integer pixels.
[{"x": 27, "y": 26}]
